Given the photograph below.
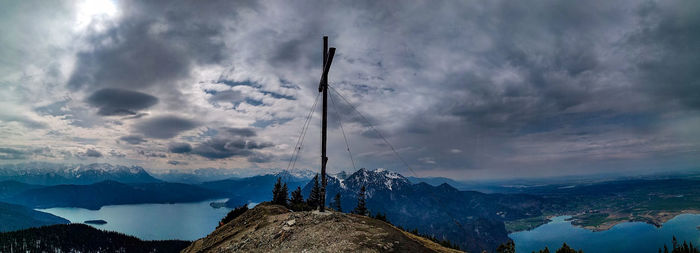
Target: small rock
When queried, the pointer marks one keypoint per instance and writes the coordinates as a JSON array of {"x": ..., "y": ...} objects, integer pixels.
[{"x": 291, "y": 222}]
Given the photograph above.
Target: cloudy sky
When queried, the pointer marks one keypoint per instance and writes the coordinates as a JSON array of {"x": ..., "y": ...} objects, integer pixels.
[{"x": 466, "y": 89}]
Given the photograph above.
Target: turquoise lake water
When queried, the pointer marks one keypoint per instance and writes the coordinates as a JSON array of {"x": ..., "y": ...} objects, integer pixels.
[
  {"x": 184, "y": 221},
  {"x": 624, "y": 237},
  {"x": 191, "y": 221}
]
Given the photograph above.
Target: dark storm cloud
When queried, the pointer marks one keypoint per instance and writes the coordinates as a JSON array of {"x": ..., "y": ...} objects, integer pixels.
[
  {"x": 164, "y": 127},
  {"x": 259, "y": 158},
  {"x": 133, "y": 139},
  {"x": 155, "y": 45},
  {"x": 173, "y": 162},
  {"x": 115, "y": 153},
  {"x": 180, "y": 147},
  {"x": 231, "y": 96},
  {"x": 666, "y": 50},
  {"x": 120, "y": 101},
  {"x": 152, "y": 154},
  {"x": 11, "y": 154},
  {"x": 520, "y": 87},
  {"x": 219, "y": 148},
  {"x": 25, "y": 153},
  {"x": 244, "y": 132},
  {"x": 53, "y": 109},
  {"x": 92, "y": 153}
]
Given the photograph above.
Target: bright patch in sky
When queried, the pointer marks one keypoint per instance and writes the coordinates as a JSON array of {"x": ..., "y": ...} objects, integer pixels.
[{"x": 89, "y": 11}]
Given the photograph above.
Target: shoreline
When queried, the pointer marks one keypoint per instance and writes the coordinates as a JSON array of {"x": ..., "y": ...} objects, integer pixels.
[{"x": 655, "y": 219}]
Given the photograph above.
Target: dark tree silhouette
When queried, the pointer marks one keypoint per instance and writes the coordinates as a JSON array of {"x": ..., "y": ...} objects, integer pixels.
[
  {"x": 315, "y": 195},
  {"x": 508, "y": 247},
  {"x": 81, "y": 238},
  {"x": 233, "y": 214},
  {"x": 381, "y": 217},
  {"x": 361, "y": 208},
  {"x": 279, "y": 193},
  {"x": 297, "y": 201},
  {"x": 545, "y": 250},
  {"x": 284, "y": 195},
  {"x": 336, "y": 203},
  {"x": 566, "y": 249},
  {"x": 678, "y": 248},
  {"x": 297, "y": 198}
]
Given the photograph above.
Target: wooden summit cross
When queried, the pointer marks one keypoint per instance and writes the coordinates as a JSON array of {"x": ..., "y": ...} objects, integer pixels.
[{"x": 323, "y": 87}]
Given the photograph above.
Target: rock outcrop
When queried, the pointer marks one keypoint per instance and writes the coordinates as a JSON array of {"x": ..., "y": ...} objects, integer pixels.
[{"x": 273, "y": 228}]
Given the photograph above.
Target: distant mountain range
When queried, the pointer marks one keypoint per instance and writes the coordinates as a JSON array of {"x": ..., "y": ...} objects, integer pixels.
[
  {"x": 92, "y": 186},
  {"x": 198, "y": 176},
  {"x": 472, "y": 219},
  {"x": 96, "y": 195},
  {"x": 15, "y": 217},
  {"x": 254, "y": 189},
  {"x": 54, "y": 174}
]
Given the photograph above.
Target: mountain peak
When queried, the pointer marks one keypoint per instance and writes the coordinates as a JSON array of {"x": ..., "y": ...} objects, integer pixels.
[
  {"x": 295, "y": 175},
  {"x": 376, "y": 180},
  {"x": 54, "y": 174},
  {"x": 273, "y": 228}
]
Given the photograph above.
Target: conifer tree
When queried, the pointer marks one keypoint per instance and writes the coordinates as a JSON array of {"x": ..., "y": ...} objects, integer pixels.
[
  {"x": 508, "y": 247},
  {"x": 336, "y": 203},
  {"x": 381, "y": 217},
  {"x": 315, "y": 195},
  {"x": 276, "y": 191},
  {"x": 566, "y": 249},
  {"x": 284, "y": 195},
  {"x": 361, "y": 208},
  {"x": 297, "y": 198}
]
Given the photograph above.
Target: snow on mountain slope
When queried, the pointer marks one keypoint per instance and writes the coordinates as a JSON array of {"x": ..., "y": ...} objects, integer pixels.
[{"x": 53, "y": 174}]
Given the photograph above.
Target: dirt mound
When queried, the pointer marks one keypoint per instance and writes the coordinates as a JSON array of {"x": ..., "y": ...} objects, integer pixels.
[{"x": 267, "y": 228}]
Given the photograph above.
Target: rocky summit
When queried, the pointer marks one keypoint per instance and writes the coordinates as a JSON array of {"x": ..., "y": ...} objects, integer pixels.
[{"x": 273, "y": 228}]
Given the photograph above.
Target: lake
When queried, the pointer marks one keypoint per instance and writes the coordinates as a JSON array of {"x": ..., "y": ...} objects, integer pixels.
[
  {"x": 184, "y": 221},
  {"x": 624, "y": 237}
]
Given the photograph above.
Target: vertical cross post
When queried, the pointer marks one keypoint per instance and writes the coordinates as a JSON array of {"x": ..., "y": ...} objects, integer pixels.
[{"x": 323, "y": 87}]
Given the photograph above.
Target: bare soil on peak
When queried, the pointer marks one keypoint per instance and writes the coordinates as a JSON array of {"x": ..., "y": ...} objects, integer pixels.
[{"x": 274, "y": 228}]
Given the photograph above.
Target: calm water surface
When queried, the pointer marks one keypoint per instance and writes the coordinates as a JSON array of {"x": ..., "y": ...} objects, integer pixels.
[
  {"x": 191, "y": 221},
  {"x": 624, "y": 237},
  {"x": 184, "y": 221}
]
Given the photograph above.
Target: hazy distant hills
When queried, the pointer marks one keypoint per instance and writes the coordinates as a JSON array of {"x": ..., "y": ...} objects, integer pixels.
[
  {"x": 472, "y": 219},
  {"x": 15, "y": 217},
  {"x": 45, "y": 185},
  {"x": 254, "y": 189},
  {"x": 198, "y": 176},
  {"x": 10, "y": 188},
  {"x": 96, "y": 195},
  {"x": 54, "y": 174}
]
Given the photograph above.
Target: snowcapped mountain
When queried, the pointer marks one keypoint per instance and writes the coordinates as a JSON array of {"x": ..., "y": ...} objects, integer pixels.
[
  {"x": 432, "y": 209},
  {"x": 376, "y": 180},
  {"x": 54, "y": 174},
  {"x": 295, "y": 175}
]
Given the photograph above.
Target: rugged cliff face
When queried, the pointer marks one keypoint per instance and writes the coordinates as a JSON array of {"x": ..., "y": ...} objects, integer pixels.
[{"x": 272, "y": 228}]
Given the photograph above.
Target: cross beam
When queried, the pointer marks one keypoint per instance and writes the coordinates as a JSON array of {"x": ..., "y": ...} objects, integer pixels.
[{"x": 323, "y": 87}]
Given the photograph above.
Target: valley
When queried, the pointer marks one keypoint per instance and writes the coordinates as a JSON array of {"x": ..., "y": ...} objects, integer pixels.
[{"x": 471, "y": 219}]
